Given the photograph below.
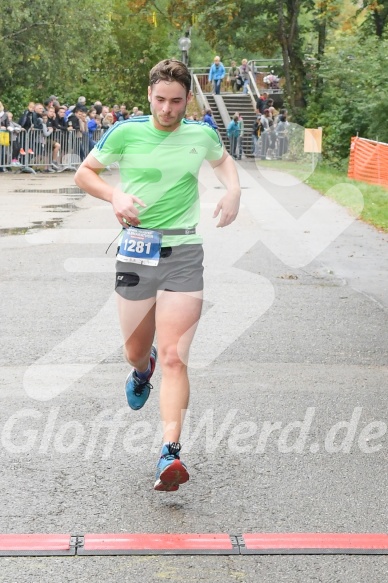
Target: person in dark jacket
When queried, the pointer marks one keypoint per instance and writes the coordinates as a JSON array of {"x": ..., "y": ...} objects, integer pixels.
[
  {"x": 52, "y": 139},
  {"x": 61, "y": 125},
  {"x": 261, "y": 103},
  {"x": 255, "y": 136},
  {"x": 76, "y": 124},
  {"x": 61, "y": 119},
  {"x": 28, "y": 120}
]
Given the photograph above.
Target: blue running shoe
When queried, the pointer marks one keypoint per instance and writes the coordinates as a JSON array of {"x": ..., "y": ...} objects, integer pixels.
[
  {"x": 170, "y": 472},
  {"x": 138, "y": 390}
]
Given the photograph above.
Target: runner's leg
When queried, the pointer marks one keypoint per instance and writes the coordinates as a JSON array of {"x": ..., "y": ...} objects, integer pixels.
[
  {"x": 137, "y": 322},
  {"x": 177, "y": 316}
]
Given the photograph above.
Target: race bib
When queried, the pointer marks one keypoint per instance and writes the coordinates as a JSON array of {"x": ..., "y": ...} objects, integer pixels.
[{"x": 140, "y": 246}]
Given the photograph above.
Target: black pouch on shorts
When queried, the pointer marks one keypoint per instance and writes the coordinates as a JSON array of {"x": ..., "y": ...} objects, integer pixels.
[{"x": 126, "y": 279}]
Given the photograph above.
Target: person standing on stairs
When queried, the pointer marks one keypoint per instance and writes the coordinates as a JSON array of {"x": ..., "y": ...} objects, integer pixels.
[
  {"x": 208, "y": 118},
  {"x": 216, "y": 74},
  {"x": 244, "y": 73}
]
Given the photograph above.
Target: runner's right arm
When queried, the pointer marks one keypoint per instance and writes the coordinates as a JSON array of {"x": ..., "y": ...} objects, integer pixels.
[{"x": 87, "y": 177}]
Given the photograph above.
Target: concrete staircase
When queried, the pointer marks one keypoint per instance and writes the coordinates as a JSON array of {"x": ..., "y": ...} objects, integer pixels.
[
  {"x": 235, "y": 102},
  {"x": 217, "y": 118}
]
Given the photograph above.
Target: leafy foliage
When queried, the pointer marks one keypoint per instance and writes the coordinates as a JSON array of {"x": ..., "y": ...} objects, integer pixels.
[
  {"x": 46, "y": 48},
  {"x": 376, "y": 12},
  {"x": 351, "y": 99}
]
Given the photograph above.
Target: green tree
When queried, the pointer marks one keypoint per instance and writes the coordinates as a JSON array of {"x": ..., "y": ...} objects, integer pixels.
[
  {"x": 46, "y": 48},
  {"x": 143, "y": 36},
  {"x": 376, "y": 13},
  {"x": 351, "y": 100},
  {"x": 325, "y": 15}
]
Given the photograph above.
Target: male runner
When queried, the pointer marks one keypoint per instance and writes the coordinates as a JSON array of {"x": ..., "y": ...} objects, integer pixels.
[{"x": 159, "y": 268}]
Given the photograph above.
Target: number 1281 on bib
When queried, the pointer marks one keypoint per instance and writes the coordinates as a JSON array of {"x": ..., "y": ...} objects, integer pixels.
[{"x": 140, "y": 246}]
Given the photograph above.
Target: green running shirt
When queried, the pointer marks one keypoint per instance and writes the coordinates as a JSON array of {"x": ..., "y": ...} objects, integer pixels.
[{"x": 162, "y": 169}]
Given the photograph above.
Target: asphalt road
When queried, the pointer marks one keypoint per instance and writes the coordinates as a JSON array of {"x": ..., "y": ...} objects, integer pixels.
[{"x": 287, "y": 425}]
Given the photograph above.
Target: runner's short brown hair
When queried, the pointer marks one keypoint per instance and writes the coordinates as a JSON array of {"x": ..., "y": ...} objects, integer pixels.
[{"x": 171, "y": 70}]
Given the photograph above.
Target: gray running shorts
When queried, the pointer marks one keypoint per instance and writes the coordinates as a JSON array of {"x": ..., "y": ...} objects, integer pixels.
[{"x": 180, "y": 269}]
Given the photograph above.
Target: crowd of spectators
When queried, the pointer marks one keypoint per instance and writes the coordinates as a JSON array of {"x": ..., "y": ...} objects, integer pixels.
[
  {"x": 270, "y": 130},
  {"x": 52, "y": 123}
]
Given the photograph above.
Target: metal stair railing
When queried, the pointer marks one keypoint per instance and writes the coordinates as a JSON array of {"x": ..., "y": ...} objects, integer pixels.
[
  {"x": 198, "y": 93},
  {"x": 222, "y": 110},
  {"x": 253, "y": 99},
  {"x": 252, "y": 85}
]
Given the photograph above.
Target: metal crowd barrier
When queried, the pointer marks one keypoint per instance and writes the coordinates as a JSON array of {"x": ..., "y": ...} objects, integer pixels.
[{"x": 61, "y": 150}]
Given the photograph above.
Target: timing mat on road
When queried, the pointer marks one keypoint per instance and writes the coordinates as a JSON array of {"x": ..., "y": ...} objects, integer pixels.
[{"x": 297, "y": 543}]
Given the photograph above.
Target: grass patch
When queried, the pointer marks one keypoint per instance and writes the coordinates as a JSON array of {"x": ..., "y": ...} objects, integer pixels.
[{"x": 335, "y": 184}]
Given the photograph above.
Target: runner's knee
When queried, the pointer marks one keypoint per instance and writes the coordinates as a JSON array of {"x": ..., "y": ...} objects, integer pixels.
[
  {"x": 134, "y": 353},
  {"x": 170, "y": 358}
]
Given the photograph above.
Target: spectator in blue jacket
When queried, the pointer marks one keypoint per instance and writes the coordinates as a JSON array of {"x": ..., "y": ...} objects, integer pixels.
[
  {"x": 208, "y": 118},
  {"x": 93, "y": 126},
  {"x": 233, "y": 131},
  {"x": 216, "y": 74}
]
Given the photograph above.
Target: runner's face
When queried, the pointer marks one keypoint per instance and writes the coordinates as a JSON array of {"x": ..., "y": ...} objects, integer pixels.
[{"x": 168, "y": 104}]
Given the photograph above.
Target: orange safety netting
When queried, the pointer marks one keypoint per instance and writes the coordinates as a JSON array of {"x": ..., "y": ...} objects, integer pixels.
[{"x": 368, "y": 161}]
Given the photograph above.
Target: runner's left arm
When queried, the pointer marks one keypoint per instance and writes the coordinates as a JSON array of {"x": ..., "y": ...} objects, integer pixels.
[{"x": 226, "y": 172}]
